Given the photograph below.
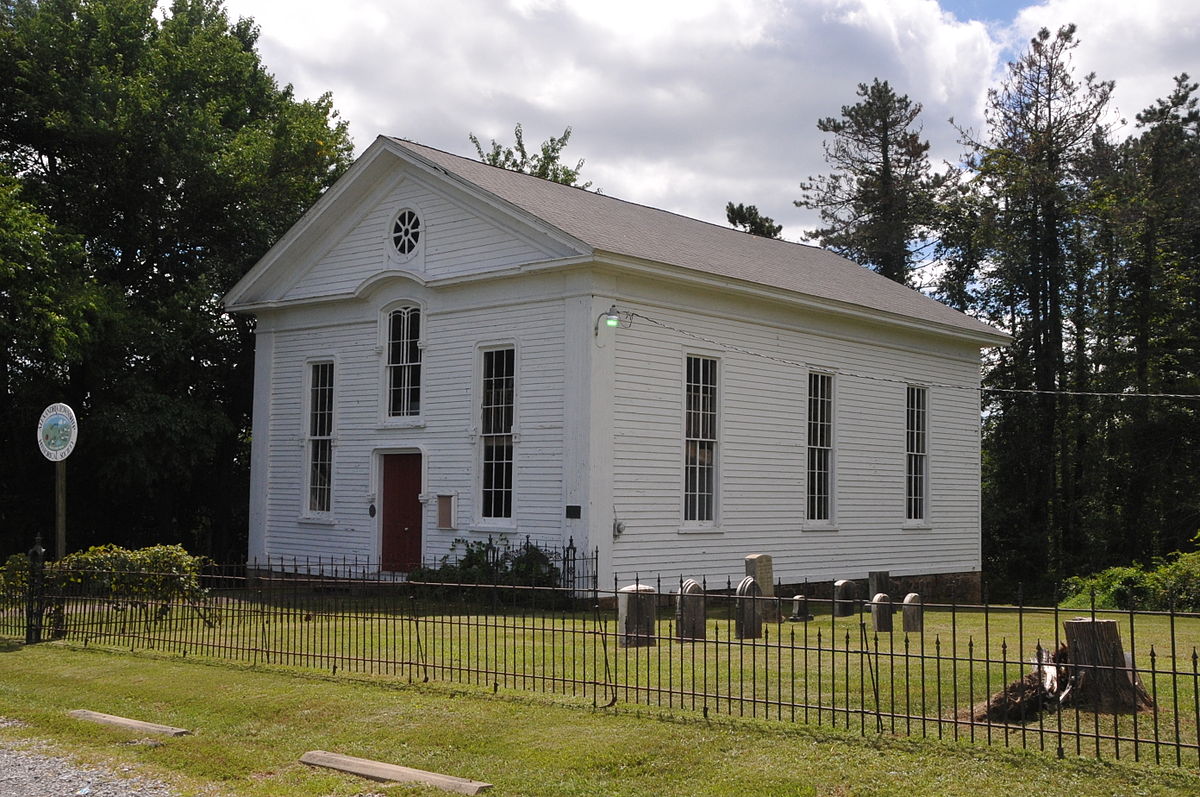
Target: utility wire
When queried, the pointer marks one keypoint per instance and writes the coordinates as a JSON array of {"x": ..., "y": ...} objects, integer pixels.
[{"x": 733, "y": 347}]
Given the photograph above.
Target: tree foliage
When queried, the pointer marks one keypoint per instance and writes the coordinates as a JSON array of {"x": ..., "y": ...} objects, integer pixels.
[
  {"x": 748, "y": 219},
  {"x": 1031, "y": 170},
  {"x": 1086, "y": 250},
  {"x": 545, "y": 163},
  {"x": 159, "y": 144},
  {"x": 878, "y": 202}
]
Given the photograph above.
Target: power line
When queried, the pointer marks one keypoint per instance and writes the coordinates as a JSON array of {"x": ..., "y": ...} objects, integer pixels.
[{"x": 733, "y": 347}]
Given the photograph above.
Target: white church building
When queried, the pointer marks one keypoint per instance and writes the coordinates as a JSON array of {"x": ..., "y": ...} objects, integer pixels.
[{"x": 447, "y": 350}]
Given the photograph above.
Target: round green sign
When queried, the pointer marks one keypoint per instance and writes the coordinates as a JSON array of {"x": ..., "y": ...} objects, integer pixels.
[{"x": 57, "y": 432}]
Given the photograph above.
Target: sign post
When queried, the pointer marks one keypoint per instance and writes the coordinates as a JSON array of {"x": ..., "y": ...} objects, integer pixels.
[{"x": 57, "y": 432}]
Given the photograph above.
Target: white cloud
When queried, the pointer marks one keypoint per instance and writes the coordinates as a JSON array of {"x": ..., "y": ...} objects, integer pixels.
[
  {"x": 1141, "y": 45},
  {"x": 682, "y": 105}
]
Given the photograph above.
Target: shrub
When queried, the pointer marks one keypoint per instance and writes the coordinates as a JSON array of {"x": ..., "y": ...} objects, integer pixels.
[
  {"x": 14, "y": 580},
  {"x": 157, "y": 573},
  {"x": 486, "y": 563},
  {"x": 1115, "y": 588},
  {"x": 1174, "y": 583}
]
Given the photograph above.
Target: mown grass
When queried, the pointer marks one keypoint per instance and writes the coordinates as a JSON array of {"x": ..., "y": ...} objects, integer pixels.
[
  {"x": 831, "y": 672},
  {"x": 252, "y": 723}
]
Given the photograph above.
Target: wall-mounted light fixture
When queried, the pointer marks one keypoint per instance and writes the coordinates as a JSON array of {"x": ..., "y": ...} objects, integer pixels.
[{"x": 612, "y": 318}]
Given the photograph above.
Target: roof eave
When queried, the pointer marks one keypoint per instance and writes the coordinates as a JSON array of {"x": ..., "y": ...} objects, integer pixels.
[{"x": 984, "y": 336}]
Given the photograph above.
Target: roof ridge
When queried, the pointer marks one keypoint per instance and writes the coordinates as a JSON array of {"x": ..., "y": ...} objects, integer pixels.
[{"x": 691, "y": 219}]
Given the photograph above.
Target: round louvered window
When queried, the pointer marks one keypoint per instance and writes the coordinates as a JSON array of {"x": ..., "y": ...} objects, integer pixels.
[{"x": 406, "y": 232}]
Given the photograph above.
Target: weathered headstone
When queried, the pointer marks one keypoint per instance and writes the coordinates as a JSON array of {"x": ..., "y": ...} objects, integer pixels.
[
  {"x": 762, "y": 567},
  {"x": 689, "y": 611},
  {"x": 914, "y": 613},
  {"x": 879, "y": 581},
  {"x": 845, "y": 597},
  {"x": 800, "y": 613},
  {"x": 881, "y": 612},
  {"x": 748, "y": 619},
  {"x": 635, "y": 616}
]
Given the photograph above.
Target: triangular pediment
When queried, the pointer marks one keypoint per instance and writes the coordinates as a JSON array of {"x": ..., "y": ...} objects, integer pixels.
[{"x": 345, "y": 242}]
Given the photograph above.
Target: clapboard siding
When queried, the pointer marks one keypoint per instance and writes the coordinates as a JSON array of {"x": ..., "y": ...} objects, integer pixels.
[
  {"x": 450, "y": 399},
  {"x": 762, "y": 452},
  {"x": 456, "y": 240}
]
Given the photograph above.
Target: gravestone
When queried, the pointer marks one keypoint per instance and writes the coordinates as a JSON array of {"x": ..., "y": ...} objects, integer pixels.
[
  {"x": 879, "y": 581},
  {"x": 762, "y": 567},
  {"x": 881, "y": 612},
  {"x": 800, "y": 613},
  {"x": 914, "y": 613},
  {"x": 748, "y": 619},
  {"x": 635, "y": 616},
  {"x": 845, "y": 598},
  {"x": 689, "y": 612}
]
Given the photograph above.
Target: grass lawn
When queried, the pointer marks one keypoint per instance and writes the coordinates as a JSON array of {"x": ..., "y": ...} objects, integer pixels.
[
  {"x": 830, "y": 672},
  {"x": 251, "y": 726}
]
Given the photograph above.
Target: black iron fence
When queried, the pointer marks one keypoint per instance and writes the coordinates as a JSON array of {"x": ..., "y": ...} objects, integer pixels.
[{"x": 1108, "y": 684}]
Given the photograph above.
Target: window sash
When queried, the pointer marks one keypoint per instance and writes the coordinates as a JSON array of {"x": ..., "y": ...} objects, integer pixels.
[
  {"x": 916, "y": 453},
  {"x": 820, "y": 447},
  {"x": 320, "y": 437},
  {"x": 700, "y": 440},
  {"x": 497, "y": 411},
  {"x": 404, "y": 362}
]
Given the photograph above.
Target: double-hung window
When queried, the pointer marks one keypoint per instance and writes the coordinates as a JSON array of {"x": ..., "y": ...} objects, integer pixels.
[
  {"x": 404, "y": 362},
  {"x": 700, "y": 441},
  {"x": 319, "y": 448},
  {"x": 917, "y": 454},
  {"x": 496, "y": 432},
  {"x": 820, "y": 448}
]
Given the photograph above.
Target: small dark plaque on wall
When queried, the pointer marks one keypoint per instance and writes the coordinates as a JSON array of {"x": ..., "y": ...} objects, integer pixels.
[{"x": 574, "y": 511}]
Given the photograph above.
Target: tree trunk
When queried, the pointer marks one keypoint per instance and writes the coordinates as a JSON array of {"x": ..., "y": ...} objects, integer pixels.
[{"x": 1100, "y": 676}]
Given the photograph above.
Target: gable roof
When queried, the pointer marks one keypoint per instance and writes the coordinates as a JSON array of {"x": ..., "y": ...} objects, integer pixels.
[
  {"x": 597, "y": 225},
  {"x": 618, "y": 227}
]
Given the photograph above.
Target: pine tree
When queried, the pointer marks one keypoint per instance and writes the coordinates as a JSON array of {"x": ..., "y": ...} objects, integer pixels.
[
  {"x": 748, "y": 219},
  {"x": 878, "y": 203}
]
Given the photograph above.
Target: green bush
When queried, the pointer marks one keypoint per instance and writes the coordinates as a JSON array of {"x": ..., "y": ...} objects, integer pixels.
[
  {"x": 1177, "y": 583},
  {"x": 1114, "y": 588},
  {"x": 157, "y": 573},
  {"x": 14, "y": 580},
  {"x": 1174, "y": 583},
  {"x": 486, "y": 563}
]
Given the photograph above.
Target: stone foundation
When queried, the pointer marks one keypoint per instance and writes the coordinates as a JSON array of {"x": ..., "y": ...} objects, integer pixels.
[{"x": 966, "y": 588}]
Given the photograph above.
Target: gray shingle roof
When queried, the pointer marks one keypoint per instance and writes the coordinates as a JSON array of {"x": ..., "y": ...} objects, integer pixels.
[{"x": 625, "y": 228}]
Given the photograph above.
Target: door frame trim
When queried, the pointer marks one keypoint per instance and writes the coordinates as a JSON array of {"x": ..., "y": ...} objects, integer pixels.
[{"x": 376, "y": 495}]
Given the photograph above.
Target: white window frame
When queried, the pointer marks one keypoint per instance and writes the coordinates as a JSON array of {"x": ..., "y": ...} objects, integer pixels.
[
  {"x": 387, "y": 366},
  {"x": 482, "y": 436},
  {"x": 705, "y": 433},
  {"x": 394, "y": 254},
  {"x": 829, "y": 445},
  {"x": 312, "y": 436},
  {"x": 916, "y": 457}
]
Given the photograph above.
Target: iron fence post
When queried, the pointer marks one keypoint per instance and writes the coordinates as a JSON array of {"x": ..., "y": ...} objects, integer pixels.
[{"x": 35, "y": 600}]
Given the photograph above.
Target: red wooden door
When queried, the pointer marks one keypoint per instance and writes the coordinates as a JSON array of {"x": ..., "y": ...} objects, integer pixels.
[{"x": 401, "y": 521}]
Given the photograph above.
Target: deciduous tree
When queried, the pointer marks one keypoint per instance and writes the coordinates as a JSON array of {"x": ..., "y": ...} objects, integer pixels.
[
  {"x": 159, "y": 141},
  {"x": 545, "y": 163}
]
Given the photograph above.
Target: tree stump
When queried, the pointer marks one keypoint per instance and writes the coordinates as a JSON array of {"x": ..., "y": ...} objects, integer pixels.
[{"x": 1100, "y": 676}]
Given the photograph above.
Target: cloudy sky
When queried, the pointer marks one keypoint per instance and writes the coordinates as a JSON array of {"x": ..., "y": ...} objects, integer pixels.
[{"x": 688, "y": 104}]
